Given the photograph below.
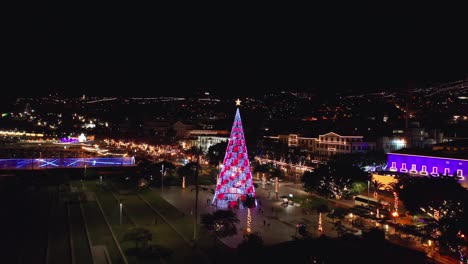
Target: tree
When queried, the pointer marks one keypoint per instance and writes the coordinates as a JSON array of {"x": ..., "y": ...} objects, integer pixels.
[
  {"x": 188, "y": 170},
  {"x": 441, "y": 198},
  {"x": 334, "y": 179},
  {"x": 216, "y": 153},
  {"x": 221, "y": 223},
  {"x": 167, "y": 165},
  {"x": 376, "y": 185},
  {"x": 139, "y": 235},
  {"x": 338, "y": 212},
  {"x": 194, "y": 151},
  {"x": 358, "y": 187},
  {"x": 260, "y": 168}
]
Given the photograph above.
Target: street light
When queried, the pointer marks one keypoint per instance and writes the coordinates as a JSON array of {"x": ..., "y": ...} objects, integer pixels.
[
  {"x": 162, "y": 177},
  {"x": 368, "y": 187},
  {"x": 120, "y": 213}
]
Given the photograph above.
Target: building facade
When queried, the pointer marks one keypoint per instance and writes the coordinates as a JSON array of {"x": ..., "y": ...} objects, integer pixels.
[
  {"x": 427, "y": 165},
  {"x": 204, "y": 139},
  {"x": 328, "y": 144}
]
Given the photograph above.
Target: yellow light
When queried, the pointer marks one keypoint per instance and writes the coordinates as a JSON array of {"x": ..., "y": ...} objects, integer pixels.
[
  {"x": 249, "y": 221},
  {"x": 429, "y": 242}
]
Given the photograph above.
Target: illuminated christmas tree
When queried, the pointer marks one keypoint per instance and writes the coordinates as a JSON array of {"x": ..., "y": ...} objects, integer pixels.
[{"x": 235, "y": 179}]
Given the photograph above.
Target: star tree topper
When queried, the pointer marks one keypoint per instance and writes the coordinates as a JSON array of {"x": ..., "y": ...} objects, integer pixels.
[{"x": 238, "y": 102}]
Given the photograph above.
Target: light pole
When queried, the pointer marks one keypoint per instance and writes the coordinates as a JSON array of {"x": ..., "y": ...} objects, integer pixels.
[
  {"x": 276, "y": 187},
  {"x": 162, "y": 177},
  {"x": 120, "y": 213},
  {"x": 368, "y": 188}
]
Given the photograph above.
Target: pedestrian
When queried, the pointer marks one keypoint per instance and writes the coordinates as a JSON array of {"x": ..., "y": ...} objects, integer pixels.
[{"x": 264, "y": 222}]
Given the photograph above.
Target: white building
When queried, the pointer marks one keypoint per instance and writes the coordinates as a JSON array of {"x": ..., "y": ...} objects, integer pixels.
[
  {"x": 204, "y": 139},
  {"x": 327, "y": 144}
]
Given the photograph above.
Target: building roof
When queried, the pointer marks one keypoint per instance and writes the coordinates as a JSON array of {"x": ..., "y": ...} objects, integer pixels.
[
  {"x": 433, "y": 153},
  {"x": 333, "y": 134}
]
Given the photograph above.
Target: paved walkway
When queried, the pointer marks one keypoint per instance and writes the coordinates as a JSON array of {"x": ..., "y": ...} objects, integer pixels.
[
  {"x": 280, "y": 221},
  {"x": 275, "y": 225}
]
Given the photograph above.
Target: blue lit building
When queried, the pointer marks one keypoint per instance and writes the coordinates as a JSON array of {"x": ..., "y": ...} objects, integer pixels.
[
  {"x": 35, "y": 164},
  {"x": 427, "y": 165}
]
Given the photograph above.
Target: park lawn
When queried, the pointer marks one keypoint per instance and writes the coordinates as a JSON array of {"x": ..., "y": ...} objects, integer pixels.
[
  {"x": 185, "y": 225},
  {"x": 99, "y": 231},
  {"x": 169, "y": 244}
]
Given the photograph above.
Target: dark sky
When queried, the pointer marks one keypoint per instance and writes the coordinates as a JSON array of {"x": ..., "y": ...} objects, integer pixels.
[{"x": 237, "y": 55}]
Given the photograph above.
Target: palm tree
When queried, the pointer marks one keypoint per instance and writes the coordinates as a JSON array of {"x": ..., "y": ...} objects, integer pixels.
[
  {"x": 376, "y": 185},
  {"x": 395, "y": 188}
]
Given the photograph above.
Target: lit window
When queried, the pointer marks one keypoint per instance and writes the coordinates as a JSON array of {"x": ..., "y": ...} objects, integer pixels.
[
  {"x": 393, "y": 168},
  {"x": 434, "y": 171},
  {"x": 413, "y": 169}
]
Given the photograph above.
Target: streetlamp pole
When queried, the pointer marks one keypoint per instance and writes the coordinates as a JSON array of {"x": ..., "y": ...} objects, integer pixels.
[
  {"x": 120, "y": 219},
  {"x": 162, "y": 178},
  {"x": 368, "y": 187}
]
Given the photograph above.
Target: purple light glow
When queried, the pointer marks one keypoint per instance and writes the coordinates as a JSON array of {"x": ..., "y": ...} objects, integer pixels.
[
  {"x": 68, "y": 140},
  {"x": 65, "y": 163},
  {"x": 427, "y": 165}
]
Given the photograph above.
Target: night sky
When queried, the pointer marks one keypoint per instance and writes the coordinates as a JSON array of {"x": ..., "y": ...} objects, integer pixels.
[{"x": 258, "y": 54}]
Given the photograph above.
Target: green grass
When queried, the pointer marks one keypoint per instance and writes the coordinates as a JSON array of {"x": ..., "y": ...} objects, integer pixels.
[
  {"x": 170, "y": 246},
  {"x": 185, "y": 226},
  {"x": 99, "y": 231}
]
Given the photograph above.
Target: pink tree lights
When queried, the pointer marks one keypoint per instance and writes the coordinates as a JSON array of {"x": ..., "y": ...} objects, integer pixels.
[{"x": 235, "y": 178}]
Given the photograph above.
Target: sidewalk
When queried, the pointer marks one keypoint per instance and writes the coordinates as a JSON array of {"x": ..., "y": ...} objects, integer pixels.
[
  {"x": 275, "y": 226},
  {"x": 280, "y": 222}
]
